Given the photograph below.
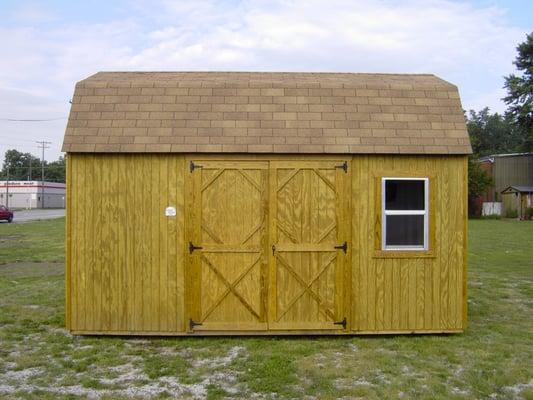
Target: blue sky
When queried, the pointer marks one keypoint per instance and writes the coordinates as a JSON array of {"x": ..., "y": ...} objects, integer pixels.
[{"x": 47, "y": 46}]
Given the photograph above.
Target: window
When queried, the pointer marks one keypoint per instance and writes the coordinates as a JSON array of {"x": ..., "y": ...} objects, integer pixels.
[{"x": 404, "y": 213}]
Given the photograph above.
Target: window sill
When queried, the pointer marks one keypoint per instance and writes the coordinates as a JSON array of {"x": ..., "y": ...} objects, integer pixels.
[{"x": 404, "y": 254}]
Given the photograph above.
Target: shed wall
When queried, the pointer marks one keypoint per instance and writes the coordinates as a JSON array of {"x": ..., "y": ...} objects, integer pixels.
[
  {"x": 126, "y": 260},
  {"x": 411, "y": 292}
]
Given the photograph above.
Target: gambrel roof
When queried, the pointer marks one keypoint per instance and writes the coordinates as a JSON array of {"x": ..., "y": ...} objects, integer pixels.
[{"x": 263, "y": 112}]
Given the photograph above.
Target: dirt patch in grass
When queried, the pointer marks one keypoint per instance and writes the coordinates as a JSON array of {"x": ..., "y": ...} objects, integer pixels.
[{"x": 32, "y": 270}]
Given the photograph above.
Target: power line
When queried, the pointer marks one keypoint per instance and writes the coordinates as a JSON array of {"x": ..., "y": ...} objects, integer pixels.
[
  {"x": 31, "y": 120},
  {"x": 17, "y": 138},
  {"x": 38, "y": 161}
]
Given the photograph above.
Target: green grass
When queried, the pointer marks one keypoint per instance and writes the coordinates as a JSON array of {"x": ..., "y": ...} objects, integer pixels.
[
  {"x": 41, "y": 241},
  {"x": 493, "y": 359}
]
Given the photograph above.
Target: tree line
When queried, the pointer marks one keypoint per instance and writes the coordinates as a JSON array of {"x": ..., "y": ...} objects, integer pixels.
[
  {"x": 510, "y": 132},
  {"x": 18, "y": 166}
]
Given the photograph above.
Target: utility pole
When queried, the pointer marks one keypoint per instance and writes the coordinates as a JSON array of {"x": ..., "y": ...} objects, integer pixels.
[
  {"x": 7, "y": 188},
  {"x": 42, "y": 145}
]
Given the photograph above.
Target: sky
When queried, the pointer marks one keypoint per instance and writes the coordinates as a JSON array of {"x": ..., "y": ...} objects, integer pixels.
[{"x": 47, "y": 46}]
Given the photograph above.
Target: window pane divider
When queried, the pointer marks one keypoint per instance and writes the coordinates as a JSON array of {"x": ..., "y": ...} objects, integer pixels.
[{"x": 405, "y": 212}]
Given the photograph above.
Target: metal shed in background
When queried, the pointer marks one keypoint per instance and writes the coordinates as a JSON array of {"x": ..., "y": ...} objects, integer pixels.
[
  {"x": 507, "y": 170},
  {"x": 522, "y": 197}
]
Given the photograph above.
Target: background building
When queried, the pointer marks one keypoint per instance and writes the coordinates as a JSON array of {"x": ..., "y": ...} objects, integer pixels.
[
  {"x": 30, "y": 194},
  {"x": 508, "y": 170}
]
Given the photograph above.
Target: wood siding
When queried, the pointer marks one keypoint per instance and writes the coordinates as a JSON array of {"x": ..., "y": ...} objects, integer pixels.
[
  {"x": 129, "y": 270},
  {"x": 125, "y": 258},
  {"x": 424, "y": 290}
]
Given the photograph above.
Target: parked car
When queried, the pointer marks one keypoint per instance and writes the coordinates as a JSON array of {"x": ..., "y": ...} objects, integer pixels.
[{"x": 6, "y": 214}]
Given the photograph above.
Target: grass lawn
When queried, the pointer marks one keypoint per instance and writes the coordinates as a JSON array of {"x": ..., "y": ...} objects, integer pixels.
[
  {"x": 41, "y": 241},
  {"x": 493, "y": 359}
]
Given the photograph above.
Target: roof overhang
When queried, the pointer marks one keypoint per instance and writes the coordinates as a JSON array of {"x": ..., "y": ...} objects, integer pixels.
[{"x": 517, "y": 189}]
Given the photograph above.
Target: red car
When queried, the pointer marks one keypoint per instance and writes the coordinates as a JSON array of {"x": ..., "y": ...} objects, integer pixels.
[{"x": 6, "y": 214}]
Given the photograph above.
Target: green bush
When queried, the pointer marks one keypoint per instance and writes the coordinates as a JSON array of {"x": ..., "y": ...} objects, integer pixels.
[
  {"x": 492, "y": 216},
  {"x": 511, "y": 214},
  {"x": 528, "y": 213}
]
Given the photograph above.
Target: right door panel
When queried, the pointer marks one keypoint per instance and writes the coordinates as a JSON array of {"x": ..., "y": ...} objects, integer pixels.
[{"x": 308, "y": 234}]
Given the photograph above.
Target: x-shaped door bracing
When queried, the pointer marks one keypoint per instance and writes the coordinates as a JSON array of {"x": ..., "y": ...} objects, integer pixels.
[
  {"x": 307, "y": 287},
  {"x": 230, "y": 287}
]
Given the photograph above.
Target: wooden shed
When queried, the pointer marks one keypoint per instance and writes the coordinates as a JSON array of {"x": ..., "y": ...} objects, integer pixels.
[{"x": 265, "y": 203}]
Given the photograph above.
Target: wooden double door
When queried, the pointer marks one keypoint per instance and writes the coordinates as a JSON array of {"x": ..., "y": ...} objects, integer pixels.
[{"x": 267, "y": 245}]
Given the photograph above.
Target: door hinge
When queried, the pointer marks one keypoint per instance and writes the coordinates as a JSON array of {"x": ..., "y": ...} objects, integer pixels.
[
  {"x": 192, "y": 247},
  {"x": 193, "y": 166},
  {"x": 343, "y": 247},
  {"x": 192, "y": 324},
  {"x": 343, "y": 323},
  {"x": 343, "y": 166}
]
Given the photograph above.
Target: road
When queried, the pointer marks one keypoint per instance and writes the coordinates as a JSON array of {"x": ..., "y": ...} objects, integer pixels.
[{"x": 35, "y": 214}]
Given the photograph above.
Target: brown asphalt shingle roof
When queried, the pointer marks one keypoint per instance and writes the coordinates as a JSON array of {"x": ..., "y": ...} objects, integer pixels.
[{"x": 263, "y": 112}]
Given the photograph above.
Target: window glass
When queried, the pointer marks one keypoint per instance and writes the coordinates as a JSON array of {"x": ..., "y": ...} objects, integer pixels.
[
  {"x": 405, "y": 230},
  {"x": 404, "y": 194},
  {"x": 405, "y": 219}
]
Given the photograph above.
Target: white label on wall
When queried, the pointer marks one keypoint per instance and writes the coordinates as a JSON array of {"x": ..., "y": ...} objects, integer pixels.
[{"x": 170, "y": 211}]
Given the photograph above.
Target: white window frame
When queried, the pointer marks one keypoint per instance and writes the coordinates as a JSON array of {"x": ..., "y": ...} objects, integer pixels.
[{"x": 385, "y": 212}]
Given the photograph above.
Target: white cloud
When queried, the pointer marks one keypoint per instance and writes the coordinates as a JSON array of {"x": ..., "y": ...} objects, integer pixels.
[{"x": 470, "y": 46}]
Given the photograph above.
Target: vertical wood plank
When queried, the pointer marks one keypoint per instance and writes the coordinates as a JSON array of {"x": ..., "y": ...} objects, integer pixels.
[
  {"x": 139, "y": 250},
  {"x": 273, "y": 232},
  {"x": 163, "y": 311},
  {"x": 75, "y": 238},
  {"x": 122, "y": 240},
  {"x": 68, "y": 244},
  {"x": 364, "y": 251},
  {"x": 129, "y": 182},
  {"x": 172, "y": 245},
  {"x": 465, "y": 242},
  {"x": 180, "y": 242},
  {"x": 154, "y": 240}
]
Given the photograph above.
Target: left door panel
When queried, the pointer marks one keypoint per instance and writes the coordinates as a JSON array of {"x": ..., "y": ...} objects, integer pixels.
[{"x": 227, "y": 245}]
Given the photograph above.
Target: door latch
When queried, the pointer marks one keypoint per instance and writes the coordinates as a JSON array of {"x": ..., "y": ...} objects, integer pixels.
[
  {"x": 192, "y": 247},
  {"x": 273, "y": 249},
  {"x": 343, "y": 166},
  {"x": 193, "y": 166},
  {"x": 192, "y": 324},
  {"x": 343, "y": 323},
  {"x": 343, "y": 247}
]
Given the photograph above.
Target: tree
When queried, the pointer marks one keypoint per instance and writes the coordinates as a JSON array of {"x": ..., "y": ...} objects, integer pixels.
[
  {"x": 18, "y": 164},
  {"x": 520, "y": 93},
  {"x": 492, "y": 133},
  {"x": 55, "y": 170},
  {"x": 478, "y": 184}
]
